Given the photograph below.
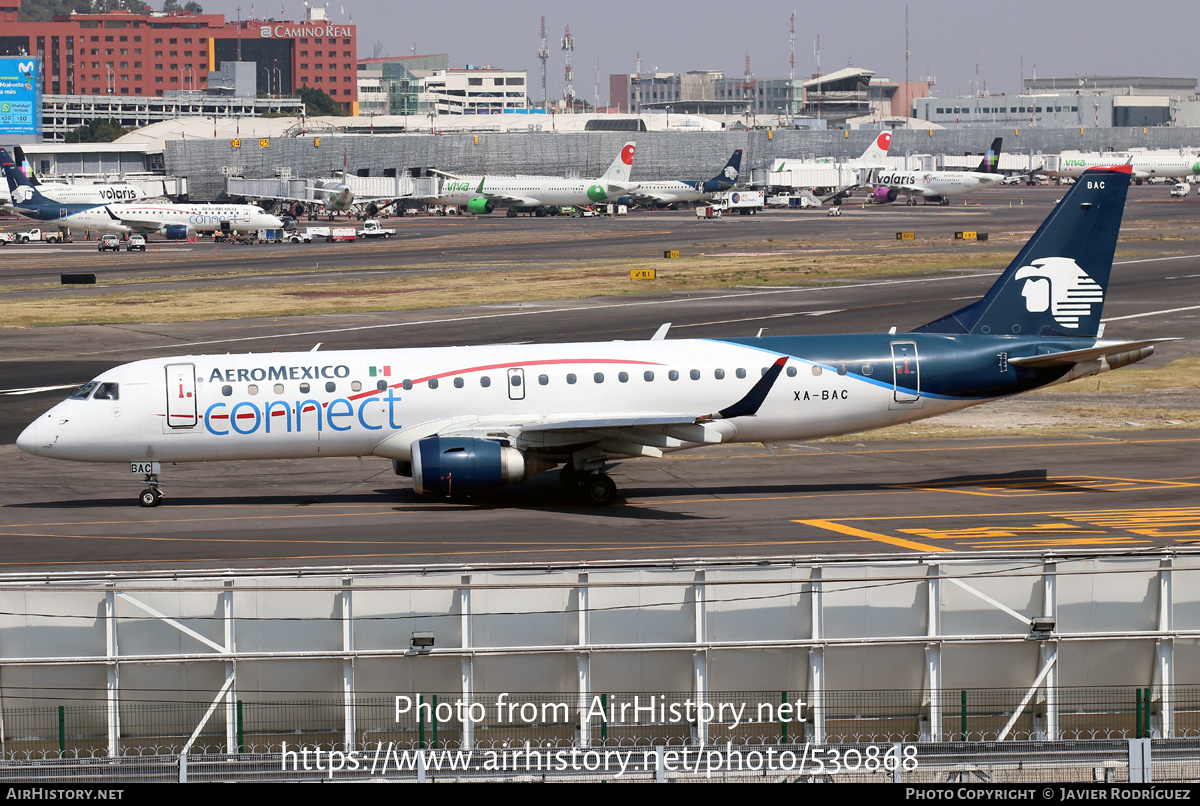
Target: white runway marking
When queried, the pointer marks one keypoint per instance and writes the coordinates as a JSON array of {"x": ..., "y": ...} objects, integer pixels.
[
  {"x": 450, "y": 319},
  {"x": 33, "y": 390},
  {"x": 1151, "y": 313}
]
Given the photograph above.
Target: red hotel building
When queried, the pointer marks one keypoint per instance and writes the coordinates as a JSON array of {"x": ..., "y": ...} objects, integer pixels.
[{"x": 126, "y": 54}]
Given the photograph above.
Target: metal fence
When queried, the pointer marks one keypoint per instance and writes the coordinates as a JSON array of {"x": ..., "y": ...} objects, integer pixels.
[
  {"x": 1093, "y": 761},
  {"x": 629, "y": 719}
]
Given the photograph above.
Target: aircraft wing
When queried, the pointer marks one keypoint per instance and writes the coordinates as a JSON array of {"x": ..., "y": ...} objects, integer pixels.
[
  {"x": 505, "y": 198},
  {"x": 137, "y": 223}
]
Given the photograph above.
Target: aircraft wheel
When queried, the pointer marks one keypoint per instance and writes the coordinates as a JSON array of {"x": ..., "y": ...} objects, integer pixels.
[
  {"x": 150, "y": 497},
  {"x": 512, "y": 213},
  {"x": 598, "y": 490}
]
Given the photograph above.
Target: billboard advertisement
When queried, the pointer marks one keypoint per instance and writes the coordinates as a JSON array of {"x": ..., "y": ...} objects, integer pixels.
[{"x": 20, "y": 96}]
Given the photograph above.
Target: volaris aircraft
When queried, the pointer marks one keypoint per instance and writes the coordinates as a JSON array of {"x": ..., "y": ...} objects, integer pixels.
[
  {"x": 937, "y": 186},
  {"x": 463, "y": 421}
]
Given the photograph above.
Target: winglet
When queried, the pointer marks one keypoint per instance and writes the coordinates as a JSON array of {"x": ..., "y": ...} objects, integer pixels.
[
  {"x": 749, "y": 405},
  {"x": 661, "y": 333}
]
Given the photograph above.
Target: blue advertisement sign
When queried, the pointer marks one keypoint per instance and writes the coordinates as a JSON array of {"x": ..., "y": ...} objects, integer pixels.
[{"x": 20, "y": 96}]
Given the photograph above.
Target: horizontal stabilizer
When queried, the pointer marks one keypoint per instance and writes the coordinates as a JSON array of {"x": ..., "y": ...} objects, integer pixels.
[{"x": 1100, "y": 350}]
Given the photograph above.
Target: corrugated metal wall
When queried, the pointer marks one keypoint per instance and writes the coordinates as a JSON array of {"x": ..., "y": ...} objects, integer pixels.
[{"x": 660, "y": 155}]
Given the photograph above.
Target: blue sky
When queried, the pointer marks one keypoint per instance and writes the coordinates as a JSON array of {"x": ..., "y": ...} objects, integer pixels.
[{"x": 947, "y": 38}]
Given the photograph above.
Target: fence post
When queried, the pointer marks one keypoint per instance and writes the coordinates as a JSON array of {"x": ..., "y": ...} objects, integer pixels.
[
  {"x": 1139, "y": 761},
  {"x": 183, "y": 767}
]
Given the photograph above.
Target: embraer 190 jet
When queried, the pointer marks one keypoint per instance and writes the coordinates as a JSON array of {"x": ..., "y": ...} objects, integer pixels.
[{"x": 463, "y": 421}]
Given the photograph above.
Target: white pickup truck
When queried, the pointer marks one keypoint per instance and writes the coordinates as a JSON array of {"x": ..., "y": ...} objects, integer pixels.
[
  {"x": 372, "y": 229},
  {"x": 38, "y": 235}
]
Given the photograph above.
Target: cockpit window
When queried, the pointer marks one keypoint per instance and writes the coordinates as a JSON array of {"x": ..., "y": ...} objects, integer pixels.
[
  {"x": 82, "y": 392},
  {"x": 106, "y": 391}
]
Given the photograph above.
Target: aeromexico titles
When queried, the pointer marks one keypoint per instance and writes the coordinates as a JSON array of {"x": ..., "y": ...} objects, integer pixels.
[
  {"x": 462, "y": 421},
  {"x": 173, "y": 221}
]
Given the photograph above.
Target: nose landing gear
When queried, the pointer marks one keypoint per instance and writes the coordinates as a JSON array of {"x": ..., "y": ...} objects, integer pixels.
[{"x": 152, "y": 496}]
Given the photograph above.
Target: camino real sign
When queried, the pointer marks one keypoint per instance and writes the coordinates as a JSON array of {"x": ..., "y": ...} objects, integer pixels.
[
  {"x": 20, "y": 96},
  {"x": 308, "y": 29}
]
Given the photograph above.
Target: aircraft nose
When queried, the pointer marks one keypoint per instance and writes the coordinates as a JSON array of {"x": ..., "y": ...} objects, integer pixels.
[{"x": 28, "y": 441}]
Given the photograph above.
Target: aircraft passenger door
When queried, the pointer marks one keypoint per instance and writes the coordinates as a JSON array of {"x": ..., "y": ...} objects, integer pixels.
[
  {"x": 181, "y": 397},
  {"x": 906, "y": 374},
  {"x": 516, "y": 384}
]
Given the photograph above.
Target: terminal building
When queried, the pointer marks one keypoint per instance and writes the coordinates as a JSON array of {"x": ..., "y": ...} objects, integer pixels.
[
  {"x": 1073, "y": 102},
  {"x": 120, "y": 54}
]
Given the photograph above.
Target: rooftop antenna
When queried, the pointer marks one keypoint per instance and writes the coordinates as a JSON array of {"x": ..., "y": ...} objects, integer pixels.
[
  {"x": 568, "y": 45},
  {"x": 544, "y": 55},
  {"x": 792, "y": 68},
  {"x": 638, "y": 79},
  {"x": 596, "y": 101},
  {"x": 907, "y": 52}
]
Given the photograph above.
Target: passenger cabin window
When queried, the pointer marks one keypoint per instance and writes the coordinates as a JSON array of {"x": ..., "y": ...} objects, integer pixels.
[
  {"x": 623, "y": 377},
  {"x": 571, "y": 377},
  {"x": 458, "y": 383},
  {"x": 598, "y": 377},
  {"x": 226, "y": 390},
  {"x": 694, "y": 375},
  {"x": 330, "y": 386},
  {"x": 719, "y": 374},
  {"x": 356, "y": 386},
  {"x": 485, "y": 381},
  {"x": 816, "y": 370},
  {"x": 741, "y": 372},
  {"x": 304, "y": 388},
  {"x": 791, "y": 372},
  {"x": 407, "y": 384},
  {"x": 278, "y": 388},
  {"x": 433, "y": 383},
  {"x": 543, "y": 379},
  {"x": 252, "y": 389},
  {"x": 673, "y": 374},
  {"x": 381, "y": 385},
  {"x": 648, "y": 375}
]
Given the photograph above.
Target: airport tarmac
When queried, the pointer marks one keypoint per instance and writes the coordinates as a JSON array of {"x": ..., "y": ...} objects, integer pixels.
[{"x": 1116, "y": 486}]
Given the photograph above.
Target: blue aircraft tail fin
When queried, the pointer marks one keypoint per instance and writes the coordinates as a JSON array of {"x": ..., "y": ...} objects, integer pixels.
[
  {"x": 1055, "y": 286},
  {"x": 16, "y": 179},
  {"x": 729, "y": 174},
  {"x": 991, "y": 158}
]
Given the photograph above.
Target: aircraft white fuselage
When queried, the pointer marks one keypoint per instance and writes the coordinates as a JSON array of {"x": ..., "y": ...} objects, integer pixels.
[
  {"x": 290, "y": 405},
  {"x": 529, "y": 191},
  {"x": 673, "y": 192},
  {"x": 1145, "y": 166},
  {"x": 152, "y": 219},
  {"x": 112, "y": 193},
  {"x": 935, "y": 183}
]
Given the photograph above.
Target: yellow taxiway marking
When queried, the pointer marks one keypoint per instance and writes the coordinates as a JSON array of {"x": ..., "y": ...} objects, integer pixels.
[
  {"x": 1115, "y": 526},
  {"x": 842, "y": 528},
  {"x": 1011, "y": 487}
]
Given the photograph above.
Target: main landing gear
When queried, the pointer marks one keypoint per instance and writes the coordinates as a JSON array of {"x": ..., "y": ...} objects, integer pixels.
[
  {"x": 595, "y": 489},
  {"x": 151, "y": 496}
]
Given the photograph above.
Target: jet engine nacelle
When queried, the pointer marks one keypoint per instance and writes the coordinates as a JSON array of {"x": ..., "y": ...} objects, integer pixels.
[
  {"x": 462, "y": 467},
  {"x": 884, "y": 195},
  {"x": 625, "y": 200},
  {"x": 176, "y": 232},
  {"x": 477, "y": 206}
]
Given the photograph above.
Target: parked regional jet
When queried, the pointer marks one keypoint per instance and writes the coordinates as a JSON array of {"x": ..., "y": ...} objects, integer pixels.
[
  {"x": 173, "y": 221},
  {"x": 542, "y": 195},
  {"x": 63, "y": 192},
  {"x": 937, "y": 185},
  {"x": 674, "y": 191},
  {"x": 462, "y": 421}
]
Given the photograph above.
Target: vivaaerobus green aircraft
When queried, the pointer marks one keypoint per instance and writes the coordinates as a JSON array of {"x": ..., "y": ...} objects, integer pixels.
[{"x": 541, "y": 195}]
